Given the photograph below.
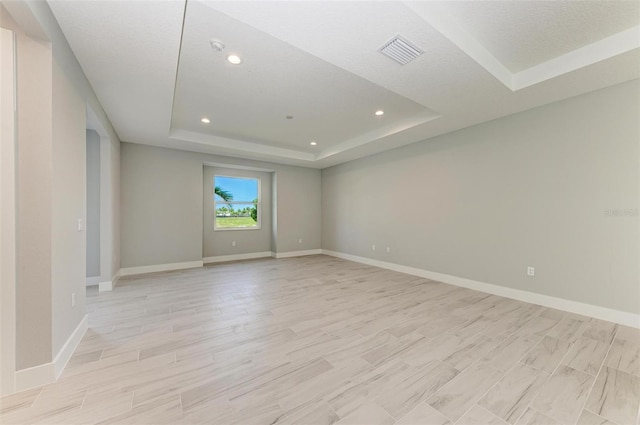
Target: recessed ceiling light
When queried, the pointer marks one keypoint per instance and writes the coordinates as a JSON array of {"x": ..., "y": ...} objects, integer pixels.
[
  {"x": 205, "y": 120},
  {"x": 313, "y": 143},
  {"x": 379, "y": 112},
  {"x": 234, "y": 59}
]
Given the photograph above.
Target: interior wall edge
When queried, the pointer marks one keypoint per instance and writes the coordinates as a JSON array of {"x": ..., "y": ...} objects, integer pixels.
[{"x": 48, "y": 373}]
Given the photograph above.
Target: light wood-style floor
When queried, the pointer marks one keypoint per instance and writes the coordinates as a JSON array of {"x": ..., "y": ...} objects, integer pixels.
[{"x": 319, "y": 340}]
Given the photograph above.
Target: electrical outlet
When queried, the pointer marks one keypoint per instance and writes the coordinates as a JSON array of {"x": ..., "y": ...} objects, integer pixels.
[
  {"x": 531, "y": 271},
  {"x": 300, "y": 240},
  {"x": 80, "y": 225},
  {"x": 73, "y": 299},
  {"x": 233, "y": 243},
  {"x": 373, "y": 247},
  {"x": 388, "y": 250}
]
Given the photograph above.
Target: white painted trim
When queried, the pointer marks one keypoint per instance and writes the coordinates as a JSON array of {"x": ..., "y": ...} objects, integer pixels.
[
  {"x": 600, "y": 50},
  {"x": 236, "y": 257},
  {"x": 49, "y": 372},
  {"x": 105, "y": 286},
  {"x": 296, "y": 253},
  {"x": 69, "y": 347},
  {"x": 108, "y": 285},
  {"x": 440, "y": 19},
  {"x": 238, "y": 167},
  {"x": 394, "y": 128},
  {"x": 8, "y": 216},
  {"x": 93, "y": 280},
  {"x": 129, "y": 271},
  {"x": 116, "y": 278},
  {"x": 235, "y": 145},
  {"x": 598, "y": 312}
]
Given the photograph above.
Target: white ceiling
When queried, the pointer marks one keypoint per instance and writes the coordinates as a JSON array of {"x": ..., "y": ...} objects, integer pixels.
[
  {"x": 152, "y": 67},
  {"x": 534, "y": 32}
]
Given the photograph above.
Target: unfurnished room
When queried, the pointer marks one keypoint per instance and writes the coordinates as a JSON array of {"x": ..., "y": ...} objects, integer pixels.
[{"x": 320, "y": 212}]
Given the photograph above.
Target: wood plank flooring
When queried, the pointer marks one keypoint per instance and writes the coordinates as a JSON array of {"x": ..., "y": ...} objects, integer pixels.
[{"x": 319, "y": 340}]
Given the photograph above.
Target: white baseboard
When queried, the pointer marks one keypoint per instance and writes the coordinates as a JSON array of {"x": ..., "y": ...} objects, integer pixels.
[
  {"x": 116, "y": 278},
  {"x": 296, "y": 253},
  {"x": 67, "y": 350},
  {"x": 108, "y": 285},
  {"x": 598, "y": 312},
  {"x": 236, "y": 257},
  {"x": 105, "y": 286},
  {"x": 93, "y": 280},
  {"x": 129, "y": 271},
  {"x": 49, "y": 372}
]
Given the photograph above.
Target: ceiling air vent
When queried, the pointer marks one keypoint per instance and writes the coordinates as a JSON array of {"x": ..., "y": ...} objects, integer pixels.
[{"x": 400, "y": 50}]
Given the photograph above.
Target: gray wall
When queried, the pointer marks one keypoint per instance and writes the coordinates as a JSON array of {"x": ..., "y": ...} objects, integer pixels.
[
  {"x": 483, "y": 203},
  {"x": 7, "y": 213},
  {"x": 161, "y": 201},
  {"x": 70, "y": 67},
  {"x": 69, "y": 205},
  {"x": 34, "y": 195},
  {"x": 162, "y": 205},
  {"x": 93, "y": 203},
  {"x": 110, "y": 203},
  {"x": 52, "y": 94},
  {"x": 219, "y": 242},
  {"x": 274, "y": 213},
  {"x": 299, "y": 209}
]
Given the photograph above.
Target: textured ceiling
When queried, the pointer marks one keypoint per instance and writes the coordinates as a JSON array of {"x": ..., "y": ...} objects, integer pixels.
[
  {"x": 522, "y": 34},
  {"x": 156, "y": 75}
]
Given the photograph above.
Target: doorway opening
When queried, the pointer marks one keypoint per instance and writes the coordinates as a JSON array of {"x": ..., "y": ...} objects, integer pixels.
[{"x": 99, "y": 214}]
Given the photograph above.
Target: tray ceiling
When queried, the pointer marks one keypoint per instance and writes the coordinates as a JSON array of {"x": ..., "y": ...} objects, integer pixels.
[{"x": 156, "y": 74}]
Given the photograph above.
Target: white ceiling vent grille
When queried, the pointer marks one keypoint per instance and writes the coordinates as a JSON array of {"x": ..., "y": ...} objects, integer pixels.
[{"x": 400, "y": 50}]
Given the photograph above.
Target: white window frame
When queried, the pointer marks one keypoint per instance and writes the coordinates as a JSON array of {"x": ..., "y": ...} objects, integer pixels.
[{"x": 258, "y": 225}]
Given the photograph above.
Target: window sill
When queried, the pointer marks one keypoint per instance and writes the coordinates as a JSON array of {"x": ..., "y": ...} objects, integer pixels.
[{"x": 224, "y": 229}]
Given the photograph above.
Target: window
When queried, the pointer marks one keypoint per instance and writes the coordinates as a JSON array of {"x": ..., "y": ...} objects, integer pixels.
[{"x": 236, "y": 202}]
